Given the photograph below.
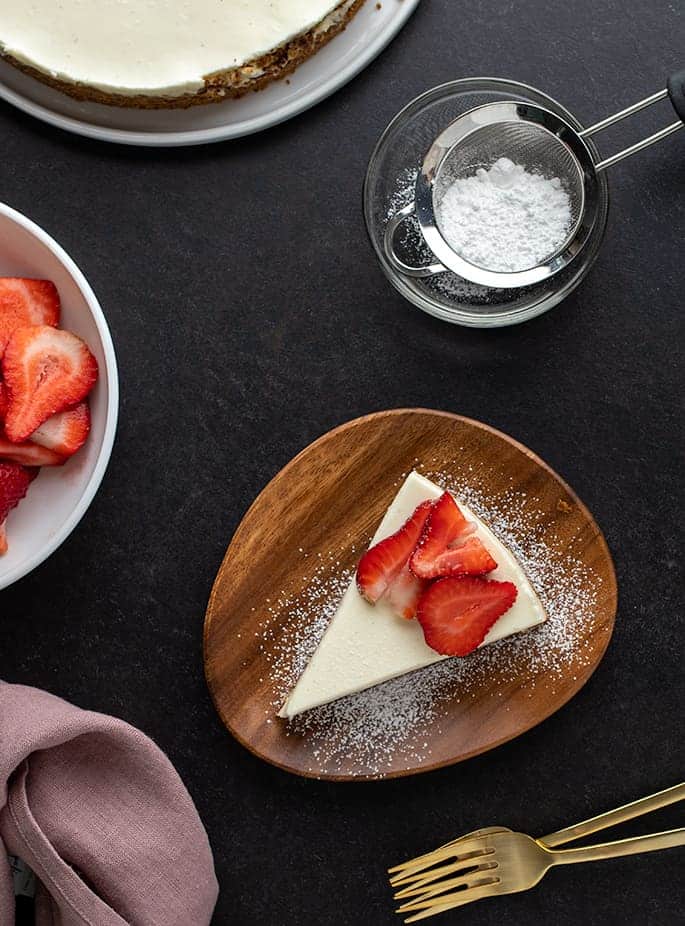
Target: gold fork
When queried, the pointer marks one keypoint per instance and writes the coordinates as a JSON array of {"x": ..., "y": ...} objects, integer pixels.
[{"x": 495, "y": 861}]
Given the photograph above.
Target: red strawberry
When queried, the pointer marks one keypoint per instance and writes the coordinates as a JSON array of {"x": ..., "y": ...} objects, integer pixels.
[
  {"x": 470, "y": 558},
  {"x": 456, "y": 614},
  {"x": 404, "y": 593},
  {"x": 14, "y": 483},
  {"x": 26, "y": 302},
  {"x": 445, "y": 548},
  {"x": 382, "y": 564},
  {"x": 64, "y": 432},
  {"x": 46, "y": 371},
  {"x": 28, "y": 453},
  {"x": 4, "y": 401}
]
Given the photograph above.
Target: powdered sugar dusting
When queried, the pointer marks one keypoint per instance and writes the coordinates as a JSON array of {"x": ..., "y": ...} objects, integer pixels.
[
  {"x": 379, "y": 726},
  {"x": 412, "y": 245},
  {"x": 504, "y": 217},
  {"x": 404, "y": 191}
]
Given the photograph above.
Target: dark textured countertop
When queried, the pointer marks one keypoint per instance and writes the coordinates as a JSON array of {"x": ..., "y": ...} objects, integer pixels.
[{"x": 249, "y": 317}]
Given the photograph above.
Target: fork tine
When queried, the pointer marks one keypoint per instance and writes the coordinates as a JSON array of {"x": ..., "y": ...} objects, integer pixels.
[
  {"x": 428, "y": 913},
  {"x": 460, "y": 853},
  {"x": 420, "y": 859},
  {"x": 441, "y": 904},
  {"x": 423, "y": 861},
  {"x": 446, "y": 845},
  {"x": 459, "y": 887},
  {"x": 474, "y": 834},
  {"x": 430, "y": 877},
  {"x": 430, "y": 887},
  {"x": 417, "y": 866}
]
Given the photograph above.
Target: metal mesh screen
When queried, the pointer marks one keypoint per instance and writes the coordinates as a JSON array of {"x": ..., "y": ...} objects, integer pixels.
[{"x": 523, "y": 143}]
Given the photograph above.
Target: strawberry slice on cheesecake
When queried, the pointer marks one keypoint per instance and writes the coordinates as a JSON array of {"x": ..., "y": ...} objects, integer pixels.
[
  {"x": 456, "y": 614},
  {"x": 447, "y": 546},
  {"x": 384, "y": 568}
]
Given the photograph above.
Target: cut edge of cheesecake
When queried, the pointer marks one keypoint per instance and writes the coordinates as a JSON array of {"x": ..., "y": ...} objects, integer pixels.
[
  {"x": 230, "y": 83},
  {"x": 366, "y": 645}
]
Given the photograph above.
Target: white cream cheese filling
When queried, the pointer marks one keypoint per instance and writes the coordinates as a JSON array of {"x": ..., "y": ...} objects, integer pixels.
[
  {"x": 154, "y": 47},
  {"x": 365, "y": 645}
]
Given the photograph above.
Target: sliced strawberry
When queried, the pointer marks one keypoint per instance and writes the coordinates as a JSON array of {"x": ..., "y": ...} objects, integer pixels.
[
  {"x": 382, "y": 563},
  {"x": 46, "y": 370},
  {"x": 404, "y": 593},
  {"x": 4, "y": 401},
  {"x": 14, "y": 483},
  {"x": 456, "y": 614},
  {"x": 445, "y": 548},
  {"x": 65, "y": 432},
  {"x": 26, "y": 302},
  {"x": 470, "y": 558},
  {"x": 29, "y": 454},
  {"x": 444, "y": 526}
]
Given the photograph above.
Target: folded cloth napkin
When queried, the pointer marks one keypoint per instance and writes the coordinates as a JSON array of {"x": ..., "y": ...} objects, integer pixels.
[{"x": 101, "y": 816}]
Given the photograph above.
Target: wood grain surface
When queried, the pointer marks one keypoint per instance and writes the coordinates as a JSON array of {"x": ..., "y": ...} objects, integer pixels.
[{"x": 330, "y": 498}]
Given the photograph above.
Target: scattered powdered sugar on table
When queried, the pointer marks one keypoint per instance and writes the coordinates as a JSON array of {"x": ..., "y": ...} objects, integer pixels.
[
  {"x": 505, "y": 218},
  {"x": 376, "y": 726}
]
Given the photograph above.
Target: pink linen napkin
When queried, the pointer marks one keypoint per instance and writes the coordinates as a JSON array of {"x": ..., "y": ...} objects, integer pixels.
[{"x": 101, "y": 816}]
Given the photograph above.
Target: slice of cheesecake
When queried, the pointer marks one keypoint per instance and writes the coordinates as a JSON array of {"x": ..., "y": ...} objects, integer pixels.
[{"x": 366, "y": 644}]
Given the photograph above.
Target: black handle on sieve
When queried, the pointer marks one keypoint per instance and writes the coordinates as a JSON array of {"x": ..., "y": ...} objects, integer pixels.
[{"x": 676, "y": 93}]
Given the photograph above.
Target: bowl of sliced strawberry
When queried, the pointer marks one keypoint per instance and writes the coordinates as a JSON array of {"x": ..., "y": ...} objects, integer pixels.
[{"x": 58, "y": 395}]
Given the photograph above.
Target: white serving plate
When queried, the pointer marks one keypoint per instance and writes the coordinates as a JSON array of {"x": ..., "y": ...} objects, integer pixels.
[
  {"x": 332, "y": 67},
  {"x": 59, "y": 497}
]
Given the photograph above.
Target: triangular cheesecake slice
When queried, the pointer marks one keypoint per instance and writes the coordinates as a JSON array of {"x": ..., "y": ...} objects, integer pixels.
[{"x": 366, "y": 644}]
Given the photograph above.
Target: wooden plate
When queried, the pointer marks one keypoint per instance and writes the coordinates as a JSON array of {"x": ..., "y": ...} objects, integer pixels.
[{"x": 331, "y": 496}]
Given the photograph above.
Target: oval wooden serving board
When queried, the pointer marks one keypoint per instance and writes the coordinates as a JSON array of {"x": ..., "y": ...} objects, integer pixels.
[{"x": 323, "y": 507}]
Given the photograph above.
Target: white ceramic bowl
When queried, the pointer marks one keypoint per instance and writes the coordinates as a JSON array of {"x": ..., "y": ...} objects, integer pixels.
[{"x": 60, "y": 496}]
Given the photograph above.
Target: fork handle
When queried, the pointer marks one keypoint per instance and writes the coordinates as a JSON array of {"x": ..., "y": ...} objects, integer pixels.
[
  {"x": 666, "y": 840},
  {"x": 614, "y": 817}
]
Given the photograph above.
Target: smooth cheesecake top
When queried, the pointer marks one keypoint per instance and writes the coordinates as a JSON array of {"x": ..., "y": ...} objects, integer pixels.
[{"x": 151, "y": 47}]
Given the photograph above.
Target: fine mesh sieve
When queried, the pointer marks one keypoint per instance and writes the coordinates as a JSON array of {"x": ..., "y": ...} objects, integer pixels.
[
  {"x": 524, "y": 143},
  {"x": 540, "y": 141}
]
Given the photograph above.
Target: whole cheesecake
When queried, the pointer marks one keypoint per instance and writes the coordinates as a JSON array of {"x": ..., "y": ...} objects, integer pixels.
[{"x": 165, "y": 53}]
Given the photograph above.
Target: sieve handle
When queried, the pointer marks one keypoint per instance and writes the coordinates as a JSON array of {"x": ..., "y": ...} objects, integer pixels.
[
  {"x": 674, "y": 90},
  {"x": 389, "y": 246}
]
